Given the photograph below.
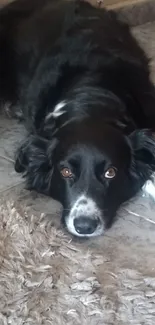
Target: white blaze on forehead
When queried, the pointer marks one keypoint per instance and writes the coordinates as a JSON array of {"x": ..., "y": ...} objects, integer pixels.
[
  {"x": 57, "y": 110},
  {"x": 86, "y": 207}
]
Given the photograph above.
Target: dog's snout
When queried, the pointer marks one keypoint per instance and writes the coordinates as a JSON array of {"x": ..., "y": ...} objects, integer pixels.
[
  {"x": 85, "y": 218},
  {"x": 85, "y": 225}
]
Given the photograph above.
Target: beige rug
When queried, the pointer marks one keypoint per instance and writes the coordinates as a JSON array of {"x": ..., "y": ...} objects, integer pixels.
[{"x": 47, "y": 278}]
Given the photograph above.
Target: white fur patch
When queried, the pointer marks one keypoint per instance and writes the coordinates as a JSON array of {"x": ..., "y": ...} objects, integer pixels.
[
  {"x": 149, "y": 189},
  {"x": 87, "y": 207},
  {"x": 57, "y": 110}
]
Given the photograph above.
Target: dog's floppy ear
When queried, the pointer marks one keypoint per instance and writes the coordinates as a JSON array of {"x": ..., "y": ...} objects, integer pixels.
[
  {"x": 143, "y": 148},
  {"x": 33, "y": 160}
]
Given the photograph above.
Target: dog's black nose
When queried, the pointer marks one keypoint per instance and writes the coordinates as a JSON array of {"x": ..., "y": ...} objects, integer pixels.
[{"x": 85, "y": 225}]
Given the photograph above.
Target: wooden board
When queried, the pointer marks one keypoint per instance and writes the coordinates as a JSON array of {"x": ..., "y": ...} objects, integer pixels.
[
  {"x": 121, "y": 3},
  {"x": 112, "y": 4}
]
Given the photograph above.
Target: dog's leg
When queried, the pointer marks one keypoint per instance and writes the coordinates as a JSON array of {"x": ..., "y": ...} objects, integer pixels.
[{"x": 33, "y": 162}]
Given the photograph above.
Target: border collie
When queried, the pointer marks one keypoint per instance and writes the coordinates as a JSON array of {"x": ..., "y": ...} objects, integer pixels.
[{"x": 81, "y": 83}]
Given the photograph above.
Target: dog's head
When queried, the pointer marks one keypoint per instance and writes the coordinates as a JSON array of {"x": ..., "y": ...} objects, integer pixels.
[{"x": 91, "y": 168}]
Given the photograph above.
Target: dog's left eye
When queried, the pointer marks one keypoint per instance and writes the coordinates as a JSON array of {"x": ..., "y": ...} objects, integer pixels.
[
  {"x": 110, "y": 173},
  {"x": 66, "y": 172}
]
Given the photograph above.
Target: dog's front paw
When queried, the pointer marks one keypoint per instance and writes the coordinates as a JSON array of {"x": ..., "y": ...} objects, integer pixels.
[
  {"x": 32, "y": 160},
  {"x": 30, "y": 154}
]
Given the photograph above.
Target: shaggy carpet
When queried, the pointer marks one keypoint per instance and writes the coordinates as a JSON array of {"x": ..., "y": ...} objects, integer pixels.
[{"x": 48, "y": 277}]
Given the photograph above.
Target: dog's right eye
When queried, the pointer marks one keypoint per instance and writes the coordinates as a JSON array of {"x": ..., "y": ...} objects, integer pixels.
[
  {"x": 110, "y": 173},
  {"x": 66, "y": 172}
]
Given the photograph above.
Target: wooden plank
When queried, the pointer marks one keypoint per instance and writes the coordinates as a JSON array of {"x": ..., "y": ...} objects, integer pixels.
[{"x": 112, "y": 4}]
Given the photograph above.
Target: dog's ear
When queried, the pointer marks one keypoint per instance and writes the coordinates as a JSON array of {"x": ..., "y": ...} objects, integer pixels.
[
  {"x": 34, "y": 160},
  {"x": 143, "y": 148}
]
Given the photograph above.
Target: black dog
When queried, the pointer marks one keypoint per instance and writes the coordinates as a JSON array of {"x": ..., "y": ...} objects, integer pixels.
[{"x": 82, "y": 84}]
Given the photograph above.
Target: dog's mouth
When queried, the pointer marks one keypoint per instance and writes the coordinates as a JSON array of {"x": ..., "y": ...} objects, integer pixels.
[{"x": 84, "y": 218}]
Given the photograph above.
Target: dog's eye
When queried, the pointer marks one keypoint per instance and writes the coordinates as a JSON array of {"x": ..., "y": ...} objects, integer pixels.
[
  {"x": 110, "y": 173},
  {"x": 66, "y": 172}
]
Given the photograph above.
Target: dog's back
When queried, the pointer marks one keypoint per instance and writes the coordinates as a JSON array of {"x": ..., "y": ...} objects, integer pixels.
[
  {"x": 27, "y": 30},
  {"x": 46, "y": 45}
]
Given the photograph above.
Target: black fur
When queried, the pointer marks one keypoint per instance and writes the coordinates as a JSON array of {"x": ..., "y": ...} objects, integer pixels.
[{"x": 53, "y": 51}]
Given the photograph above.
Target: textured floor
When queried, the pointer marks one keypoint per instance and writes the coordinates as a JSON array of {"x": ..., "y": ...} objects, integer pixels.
[{"x": 46, "y": 277}]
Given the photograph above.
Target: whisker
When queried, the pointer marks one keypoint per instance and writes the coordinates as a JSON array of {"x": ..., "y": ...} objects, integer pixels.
[
  {"x": 7, "y": 158},
  {"x": 140, "y": 216}
]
